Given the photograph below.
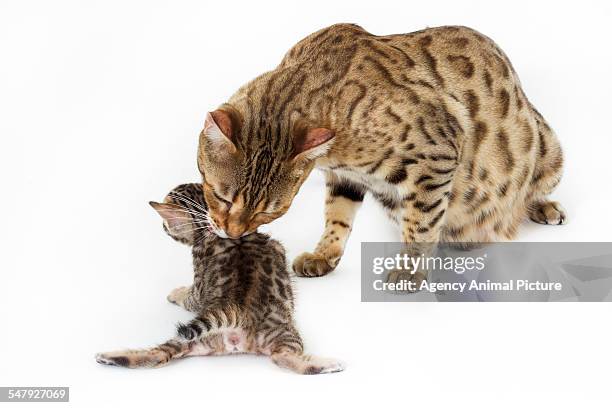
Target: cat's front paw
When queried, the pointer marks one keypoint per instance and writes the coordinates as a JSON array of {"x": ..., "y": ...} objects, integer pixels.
[
  {"x": 406, "y": 282},
  {"x": 312, "y": 265},
  {"x": 178, "y": 295}
]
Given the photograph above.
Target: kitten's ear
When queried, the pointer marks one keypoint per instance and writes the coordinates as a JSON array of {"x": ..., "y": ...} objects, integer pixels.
[
  {"x": 221, "y": 128},
  {"x": 174, "y": 215},
  {"x": 312, "y": 143}
]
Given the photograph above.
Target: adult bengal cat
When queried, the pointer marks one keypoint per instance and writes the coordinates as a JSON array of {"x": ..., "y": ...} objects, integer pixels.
[{"x": 433, "y": 123}]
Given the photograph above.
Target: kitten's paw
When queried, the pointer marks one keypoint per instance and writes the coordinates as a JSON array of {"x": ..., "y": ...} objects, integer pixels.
[
  {"x": 178, "y": 295},
  {"x": 319, "y": 365},
  {"x": 146, "y": 358},
  {"x": 410, "y": 282},
  {"x": 306, "y": 364},
  {"x": 112, "y": 359},
  {"x": 547, "y": 212},
  {"x": 311, "y": 265}
]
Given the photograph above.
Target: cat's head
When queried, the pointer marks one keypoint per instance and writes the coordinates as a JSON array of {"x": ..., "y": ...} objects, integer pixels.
[
  {"x": 252, "y": 169},
  {"x": 185, "y": 214}
]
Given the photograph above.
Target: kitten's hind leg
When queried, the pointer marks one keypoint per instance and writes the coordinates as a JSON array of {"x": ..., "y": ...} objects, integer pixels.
[
  {"x": 287, "y": 351},
  {"x": 146, "y": 358},
  {"x": 306, "y": 364},
  {"x": 198, "y": 337},
  {"x": 184, "y": 297},
  {"x": 178, "y": 295}
]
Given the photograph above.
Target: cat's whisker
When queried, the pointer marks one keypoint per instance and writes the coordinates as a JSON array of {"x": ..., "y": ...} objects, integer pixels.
[
  {"x": 189, "y": 230},
  {"x": 193, "y": 221},
  {"x": 213, "y": 225},
  {"x": 194, "y": 215},
  {"x": 183, "y": 200},
  {"x": 214, "y": 228},
  {"x": 188, "y": 200},
  {"x": 176, "y": 227},
  {"x": 200, "y": 239},
  {"x": 187, "y": 210}
]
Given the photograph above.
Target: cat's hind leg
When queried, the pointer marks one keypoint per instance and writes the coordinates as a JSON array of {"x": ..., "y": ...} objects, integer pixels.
[
  {"x": 213, "y": 332},
  {"x": 306, "y": 364},
  {"x": 284, "y": 345},
  {"x": 546, "y": 176},
  {"x": 184, "y": 297},
  {"x": 547, "y": 212},
  {"x": 341, "y": 204},
  {"x": 161, "y": 355},
  {"x": 154, "y": 357}
]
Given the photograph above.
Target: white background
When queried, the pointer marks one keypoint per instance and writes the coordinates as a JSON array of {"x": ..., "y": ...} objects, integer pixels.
[{"x": 101, "y": 103}]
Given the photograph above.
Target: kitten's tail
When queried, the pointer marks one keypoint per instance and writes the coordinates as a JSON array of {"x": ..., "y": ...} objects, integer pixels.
[
  {"x": 185, "y": 343},
  {"x": 209, "y": 322},
  {"x": 146, "y": 358}
]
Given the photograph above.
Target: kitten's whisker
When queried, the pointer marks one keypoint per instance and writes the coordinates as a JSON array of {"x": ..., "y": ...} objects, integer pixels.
[
  {"x": 190, "y": 211},
  {"x": 175, "y": 227},
  {"x": 188, "y": 200},
  {"x": 214, "y": 228},
  {"x": 199, "y": 239},
  {"x": 191, "y": 229},
  {"x": 205, "y": 228},
  {"x": 195, "y": 215},
  {"x": 191, "y": 220}
]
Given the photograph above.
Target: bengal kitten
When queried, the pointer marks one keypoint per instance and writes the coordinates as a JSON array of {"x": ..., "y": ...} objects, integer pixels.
[
  {"x": 242, "y": 295},
  {"x": 434, "y": 124}
]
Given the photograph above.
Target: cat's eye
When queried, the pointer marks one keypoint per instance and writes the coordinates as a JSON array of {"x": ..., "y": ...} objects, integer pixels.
[
  {"x": 274, "y": 213},
  {"x": 224, "y": 201},
  {"x": 266, "y": 214}
]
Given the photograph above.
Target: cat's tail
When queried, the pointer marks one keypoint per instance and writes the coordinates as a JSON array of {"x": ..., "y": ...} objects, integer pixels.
[
  {"x": 153, "y": 357},
  {"x": 212, "y": 321}
]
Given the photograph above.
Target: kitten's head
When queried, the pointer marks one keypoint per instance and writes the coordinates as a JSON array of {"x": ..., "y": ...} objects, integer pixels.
[
  {"x": 252, "y": 169},
  {"x": 185, "y": 214}
]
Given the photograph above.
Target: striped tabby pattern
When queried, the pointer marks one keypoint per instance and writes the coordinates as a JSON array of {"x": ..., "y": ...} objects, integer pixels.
[
  {"x": 434, "y": 124},
  {"x": 242, "y": 296}
]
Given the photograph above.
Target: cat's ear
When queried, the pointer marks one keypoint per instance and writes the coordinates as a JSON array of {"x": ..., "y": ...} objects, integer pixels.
[
  {"x": 311, "y": 143},
  {"x": 221, "y": 128},
  {"x": 174, "y": 215}
]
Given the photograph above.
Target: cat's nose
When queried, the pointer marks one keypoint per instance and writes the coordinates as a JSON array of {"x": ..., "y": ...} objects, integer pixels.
[{"x": 235, "y": 231}]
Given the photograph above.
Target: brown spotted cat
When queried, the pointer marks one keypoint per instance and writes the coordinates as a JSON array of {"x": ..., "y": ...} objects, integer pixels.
[
  {"x": 242, "y": 296},
  {"x": 434, "y": 124}
]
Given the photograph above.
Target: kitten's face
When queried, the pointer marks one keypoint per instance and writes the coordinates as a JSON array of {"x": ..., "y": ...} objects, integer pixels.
[
  {"x": 248, "y": 187},
  {"x": 184, "y": 213}
]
